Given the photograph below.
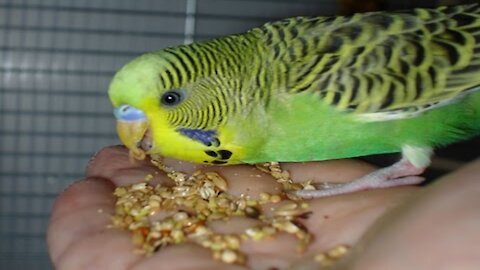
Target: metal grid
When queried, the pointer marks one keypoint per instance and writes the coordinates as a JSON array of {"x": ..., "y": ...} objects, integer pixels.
[{"x": 56, "y": 60}]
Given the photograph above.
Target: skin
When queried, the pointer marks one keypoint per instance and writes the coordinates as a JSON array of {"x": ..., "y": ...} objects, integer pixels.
[{"x": 397, "y": 228}]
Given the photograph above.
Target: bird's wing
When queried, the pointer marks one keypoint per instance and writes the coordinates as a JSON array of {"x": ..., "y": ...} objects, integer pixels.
[{"x": 382, "y": 66}]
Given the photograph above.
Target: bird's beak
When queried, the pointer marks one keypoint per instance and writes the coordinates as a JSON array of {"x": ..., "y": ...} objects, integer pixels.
[
  {"x": 132, "y": 124},
  {"x": 131, "y": 134}
]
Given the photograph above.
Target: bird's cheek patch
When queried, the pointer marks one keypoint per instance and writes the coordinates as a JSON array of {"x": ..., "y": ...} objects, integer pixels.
[{"x": 207, "y": 137}]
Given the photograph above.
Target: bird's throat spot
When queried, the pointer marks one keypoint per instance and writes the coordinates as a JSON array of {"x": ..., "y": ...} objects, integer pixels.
[{"x": 221, "y": 156}]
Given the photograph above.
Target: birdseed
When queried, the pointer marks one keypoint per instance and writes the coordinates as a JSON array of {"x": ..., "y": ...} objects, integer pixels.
[
  {"x": 283, "y": 177},
  {"x": 330, "y": 257},
  {"x": 196, "y": 200}
]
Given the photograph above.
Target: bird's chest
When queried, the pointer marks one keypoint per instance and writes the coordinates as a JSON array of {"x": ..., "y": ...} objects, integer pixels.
[{"x": 303, "y": 129}]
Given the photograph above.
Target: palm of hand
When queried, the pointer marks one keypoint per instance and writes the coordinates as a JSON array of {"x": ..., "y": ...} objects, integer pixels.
[{"x": 78, "y": 237}]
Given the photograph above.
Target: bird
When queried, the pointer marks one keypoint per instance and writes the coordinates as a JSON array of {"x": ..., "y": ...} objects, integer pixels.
[{"x": 310, "y": 89}]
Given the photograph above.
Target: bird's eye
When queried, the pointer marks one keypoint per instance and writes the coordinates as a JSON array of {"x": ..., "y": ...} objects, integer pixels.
[{"x": 171, "y": 98}]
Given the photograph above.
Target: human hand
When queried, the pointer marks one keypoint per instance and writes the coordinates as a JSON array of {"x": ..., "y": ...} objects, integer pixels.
[
  {"x": 78, "y": 237},
  {"x": 436, "y": 228}
]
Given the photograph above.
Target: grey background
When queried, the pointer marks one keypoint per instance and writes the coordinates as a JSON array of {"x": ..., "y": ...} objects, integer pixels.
[{"x": 56, "y": 60}]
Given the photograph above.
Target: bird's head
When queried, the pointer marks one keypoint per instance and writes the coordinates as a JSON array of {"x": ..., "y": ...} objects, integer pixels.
[{"x": 162, "y": 106}]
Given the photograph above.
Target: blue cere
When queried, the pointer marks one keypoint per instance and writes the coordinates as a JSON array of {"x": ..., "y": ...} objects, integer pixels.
[{"x": 128, "y": 113}]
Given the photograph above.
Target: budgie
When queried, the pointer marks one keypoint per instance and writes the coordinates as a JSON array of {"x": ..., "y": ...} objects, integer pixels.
[{"x": 308, "y": 89}]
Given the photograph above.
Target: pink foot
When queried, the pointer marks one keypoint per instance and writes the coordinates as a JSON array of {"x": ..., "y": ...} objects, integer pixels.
[{"x": 399, "y": 174}]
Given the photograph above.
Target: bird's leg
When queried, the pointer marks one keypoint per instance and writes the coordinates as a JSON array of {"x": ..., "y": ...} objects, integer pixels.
[{"x": 403, "y": 172}]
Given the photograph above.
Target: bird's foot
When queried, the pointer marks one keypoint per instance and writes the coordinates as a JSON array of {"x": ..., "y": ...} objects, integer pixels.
[{"x": 399, "y": 174}]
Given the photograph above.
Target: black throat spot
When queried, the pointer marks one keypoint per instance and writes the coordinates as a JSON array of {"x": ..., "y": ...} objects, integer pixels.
[{"x": 221, "y": 156}]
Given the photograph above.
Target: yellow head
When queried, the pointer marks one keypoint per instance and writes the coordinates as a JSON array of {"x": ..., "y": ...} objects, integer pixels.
[{"x": 163, "y": 106}]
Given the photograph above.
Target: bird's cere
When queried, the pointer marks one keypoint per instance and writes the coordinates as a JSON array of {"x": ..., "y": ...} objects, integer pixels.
[{"x": 128, "y": 113}]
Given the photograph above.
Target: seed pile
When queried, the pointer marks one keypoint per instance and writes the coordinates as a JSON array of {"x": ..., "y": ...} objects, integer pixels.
[
  {"x": 283, "y": 177},
  {"x": 163, "y": 215}
]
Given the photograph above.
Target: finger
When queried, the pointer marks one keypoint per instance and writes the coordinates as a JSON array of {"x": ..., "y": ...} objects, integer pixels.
[
  {"x": 113, "y": 162},
  {"x": 185, "y": 256},
  {"x": 341, "y": 170},
  {"x": 75, "y": 214},
  {"x": 78, "y": 234},
  {"x": 441, "y": 222},
  {"x": 342, "y": 220},
  {"x": 247, "y": 179},
  {"x": 108, "y": 249}
]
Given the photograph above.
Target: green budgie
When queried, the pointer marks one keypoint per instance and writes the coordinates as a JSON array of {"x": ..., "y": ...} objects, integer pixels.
[{"x": 311, "y": 88}]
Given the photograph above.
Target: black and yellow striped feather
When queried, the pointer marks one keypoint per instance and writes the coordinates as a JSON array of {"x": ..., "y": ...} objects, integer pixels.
[
  {"x": 378, "y": 65},
  {"x": 381, "y": 65}
]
